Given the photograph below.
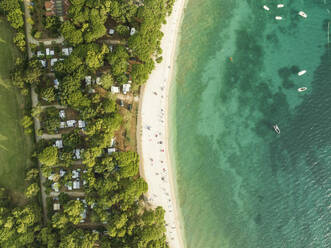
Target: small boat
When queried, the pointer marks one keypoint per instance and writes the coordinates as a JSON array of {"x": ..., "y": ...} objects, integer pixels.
[
  {"x": 302, "y": 89},
  {"x": 266, "y": 7},
  {"x": 300, "y": 73},
  {"x": 303, "y": 14},
  {"x": 278, "y": 18},
  {"x": 277, "y": 130},
  {"x": 280, "y": 5}
]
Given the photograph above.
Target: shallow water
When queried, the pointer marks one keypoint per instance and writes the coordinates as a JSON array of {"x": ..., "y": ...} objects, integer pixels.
[{"x": 239, "y": 183}]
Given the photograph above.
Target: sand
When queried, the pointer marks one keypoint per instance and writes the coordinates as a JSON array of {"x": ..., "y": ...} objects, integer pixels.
[{"x": 153, "y": 129}]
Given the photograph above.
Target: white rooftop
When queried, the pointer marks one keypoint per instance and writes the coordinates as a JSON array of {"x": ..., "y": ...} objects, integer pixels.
[
  {"x": 56, "y": 83},
  {"x": 132, "y": 31},
  {"x": 76, "y": 185},
  {"x": 115, "y": 89},
  {"x": 71, "y": 123},
  {"x": 59, "y": 144},
  {"x": 111, "y": 150},
  {"x": 56, "y": 206},
  {"x": 53, "y": 61},
  {"x": 62, "y": 114},
  {"x": 126, "y": 88},
  {"x": 88, "y": 80},
  {"x": 111, "y": 31},
  {"x": 81, "y": 124},
  {"x": 43, "y": 63},
  {"x": 63, "y": 124}
]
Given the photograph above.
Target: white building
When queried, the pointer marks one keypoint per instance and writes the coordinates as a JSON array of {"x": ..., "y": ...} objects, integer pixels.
[
  {"x": 43, "y": 63},
  {"x": 62, "y": 172},
  {"x": 111, "y": 150},
  {"x": 81, "y": 124},
  {"x": 40, "y": 53},
  {"x": 69, "y": 185},
  {"x": 63, "y": 124},
  {"x": 56, "y": 83},
  {"x": 75, "y": 174},
  {"x": 53, "y": 61},
  {"x": 71, "y": 123},
  {"x": 59, "y": 144},
  {"x": 132, "y": 31},
  {"x": 62, "y": 114},
  {"x": 88, "y": 80},
  {"x": 126, "y": 88},
  {"x": 115, "y": 90},
  {"x": 76, "y": 185},
  {"x": 111, "y": 31},
  {"x": 77, "y": 153},
  {"x": 56, "y": 206},
  {"x": 55, "y": 187}
]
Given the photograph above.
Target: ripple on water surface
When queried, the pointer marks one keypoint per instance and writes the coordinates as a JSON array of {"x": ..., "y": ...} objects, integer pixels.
[{"x": 239, "y": 183}]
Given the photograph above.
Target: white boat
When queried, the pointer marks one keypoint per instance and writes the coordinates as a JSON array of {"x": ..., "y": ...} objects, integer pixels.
[
  {"x": 278, "y": 18},
  {"x": 300, "y": 73},
  {"x": 276, "y": 128},
  {"x": 280, "y": 5},
  {"x": 302, "y": 89},
  {"x": 303, "y": 14},
  {"x": 266, "y": 7}
]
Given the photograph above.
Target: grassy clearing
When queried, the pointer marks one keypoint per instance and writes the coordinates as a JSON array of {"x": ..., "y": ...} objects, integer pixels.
[{"x": 15, "y": 147}]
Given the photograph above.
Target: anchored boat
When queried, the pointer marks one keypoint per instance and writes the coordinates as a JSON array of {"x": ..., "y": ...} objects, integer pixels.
[
  {"x": 276, "y": 128},
  {"x": 266, "y": 7},
  {"x": 302, "y": 89},
  {"x": 303, "y": 14},
  {"x": 278, "y": 18},
  {"x": 300, "y": 73}
]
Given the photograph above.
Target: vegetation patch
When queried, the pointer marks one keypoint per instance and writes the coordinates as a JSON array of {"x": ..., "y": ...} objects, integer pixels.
[{"x": 15, "y": 147}]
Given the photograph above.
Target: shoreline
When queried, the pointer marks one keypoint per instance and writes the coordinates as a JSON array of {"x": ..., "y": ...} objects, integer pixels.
[{"x": 153, "y": 129}]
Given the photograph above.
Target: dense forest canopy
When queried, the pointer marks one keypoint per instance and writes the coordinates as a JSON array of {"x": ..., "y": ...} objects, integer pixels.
[{"x": 114, "y": 42}]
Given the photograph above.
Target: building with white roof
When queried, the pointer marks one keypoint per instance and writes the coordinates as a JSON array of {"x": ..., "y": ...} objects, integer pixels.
[
  {"x": 40, "y": 53},
  {"x": 53, "y": 61},
  {"x": 132, "y": 31},
  {"x": 55, "y": 187},
  {"x": 56, "y": 206},
  {"x": 126, "y": 88},
  {"x": 62, "y": 114},
  {"x": 51, "y": 176},
  {"x": 43, "y": 62},
  {"x": 63, "y": 124},
  {"x": 98, "y": 80},
  {"x": 111, "y": 150},
  {"x": 71, "y": 123},
  {"x": 81, "y": 124},
  {"x": 65, "y": 51},
  {"x": 59, "y": 144},
  {"x": 69, "y": 185},
  {"x": 111, "y": 31},
  {"x": 88, "y": 80},
  {"x": 56, "y": 83},
  {"x": 77, "y": 153},
  {"x": 76, "y": 184},
  {"x": 62, "y": 172},
  {"x": 75, "y": 174},
  {"x": 115, "y": 89}
]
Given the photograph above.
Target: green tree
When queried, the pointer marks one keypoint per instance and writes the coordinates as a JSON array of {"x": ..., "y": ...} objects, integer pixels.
[
  {"x": 49, "y": 156},
  {"x": 32, "y": 190},
  {"x": 107, "y": 81},
  {"x": 27, "y": 123},
  {"x": 48, "y": 94}
]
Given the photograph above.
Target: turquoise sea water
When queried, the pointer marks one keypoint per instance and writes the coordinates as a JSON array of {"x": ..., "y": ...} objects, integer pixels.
[{"x": 239, "y": 184}]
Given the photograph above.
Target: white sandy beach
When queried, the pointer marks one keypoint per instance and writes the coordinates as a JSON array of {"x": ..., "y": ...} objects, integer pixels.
[{"x": 153, "y": 129}]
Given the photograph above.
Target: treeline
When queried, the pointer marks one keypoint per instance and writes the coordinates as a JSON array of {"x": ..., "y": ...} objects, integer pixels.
[
  {"x": 15, "y": 16},
  {"x": 113, "y": 188}
]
